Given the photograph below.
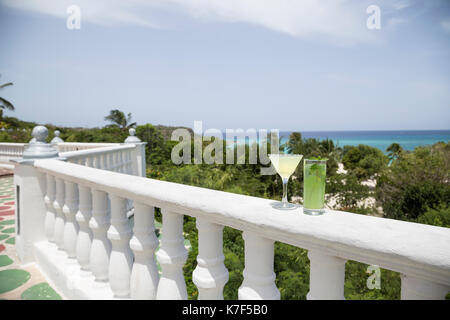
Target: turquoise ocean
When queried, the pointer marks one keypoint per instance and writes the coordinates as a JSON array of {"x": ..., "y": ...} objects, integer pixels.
[{"x": 380, "y": 139}]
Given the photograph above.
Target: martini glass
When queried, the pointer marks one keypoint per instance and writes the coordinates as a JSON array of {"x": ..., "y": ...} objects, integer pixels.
[{"x": 285, "y": 165}]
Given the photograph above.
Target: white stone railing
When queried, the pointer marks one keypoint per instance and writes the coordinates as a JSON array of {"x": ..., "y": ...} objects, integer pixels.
[
  {"x": 118, "y": 158},
  {"x": 89, "y": 250},
  {"x": 10, "y": 151},
  {"x": 75, "y": 146}
]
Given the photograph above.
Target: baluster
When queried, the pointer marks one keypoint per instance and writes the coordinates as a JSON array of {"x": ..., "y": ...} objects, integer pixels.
[
  {"x": 326, "y": 277},
  {"x": 129, "y": 166},
  {"x": 210, "y": 275},
  {"x": 127, "y": 163},
  {"x": 71, "y": 227},
  {"x": 60, "y": 219},
  {"x": 97, "y": 162},
  {"x": 113, "y": 161},
  {"x": 121, "y": 258},
  {"x": 105, "y": 161},
  {"x": 90, "y": 162},
  {"x": 101, "y": 246},
  {"x": 110, "y": 161},
  {"x": 120, "y": 161},
  {"x": 84, "y": 214},
  {"x": 123, "y": 160},
  {"x": 419, "y": 289},
  {"x": 171, "y": 256},
  {"x": 50, "y": 215},
  {"x": 259, "y": 278},
  {"x": 144, "y": 275}
]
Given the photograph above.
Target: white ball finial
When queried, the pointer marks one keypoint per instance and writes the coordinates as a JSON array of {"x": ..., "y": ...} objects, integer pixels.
[
  {"x": 38, "y": 148},
  {"x": 57, "y": 133},
  {"x": 132, "y": 137},
  {"x": 40, "y": 133}
]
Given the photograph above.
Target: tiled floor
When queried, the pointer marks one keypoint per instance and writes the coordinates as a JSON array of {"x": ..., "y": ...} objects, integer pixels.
[{"x": 17, "y": 282}]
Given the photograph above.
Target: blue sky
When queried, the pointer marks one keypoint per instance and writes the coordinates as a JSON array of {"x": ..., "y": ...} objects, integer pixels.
[{"x": 285, "y": 64}]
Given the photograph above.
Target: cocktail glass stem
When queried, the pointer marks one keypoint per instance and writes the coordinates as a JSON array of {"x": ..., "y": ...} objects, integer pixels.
[{"x": 285, "y": 183}]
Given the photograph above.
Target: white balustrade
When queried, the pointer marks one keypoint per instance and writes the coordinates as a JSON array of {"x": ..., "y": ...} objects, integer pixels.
[
  {"x": 144, "y": 275},
  {"x": 326, "y": 276},
  {"x": 10, "y": 151},
  {"x": 101, "y": 246},
  {"x": 210, "y": 275},
  {"x": 60, "y": 217},
  {"x": 259, "y": 278},
  {"x": 71, "y": 226},
  {"x": 50, "y": 215},
  {"x": 121, "y": 259},
  {"x": 423, "y": 259},
  {"x": 171, "y": 256},
  {"x": 414, "y": 288},
  {"x": 84, "y": 214}
]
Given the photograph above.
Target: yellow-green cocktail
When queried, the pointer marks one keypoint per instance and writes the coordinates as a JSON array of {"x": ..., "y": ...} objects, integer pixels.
[
  {"x": 285, "y": 165},
  {"x": 314, "y": 178}
]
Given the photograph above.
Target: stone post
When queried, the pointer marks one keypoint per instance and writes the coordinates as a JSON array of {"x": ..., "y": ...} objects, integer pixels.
[
  {"x": 30, "y": 192},
  {"x": 139, "y": 164},
  {"x": 57, "y": 139}
]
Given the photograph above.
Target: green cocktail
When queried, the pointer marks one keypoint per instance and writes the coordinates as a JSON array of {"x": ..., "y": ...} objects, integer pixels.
[{"x": 314, "y": 175}]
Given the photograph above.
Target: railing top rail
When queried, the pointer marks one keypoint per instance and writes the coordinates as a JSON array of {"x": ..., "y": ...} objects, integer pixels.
[
  {"x": 100, "y": 144},
  {"x": 95, "y": 151},
  {"x": 12, "y": 144},
  {"x": 410, "y": 248}
]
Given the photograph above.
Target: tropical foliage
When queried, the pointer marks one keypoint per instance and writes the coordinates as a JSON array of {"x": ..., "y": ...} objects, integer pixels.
[{"x": 415, "y": 187}]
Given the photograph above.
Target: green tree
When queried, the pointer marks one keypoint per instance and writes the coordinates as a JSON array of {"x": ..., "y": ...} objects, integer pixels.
[
  {"x": 416, "y": 182},
  {"x": 5, "y": 104},
  {"x": 364, "y": 161},
  {"x": 437, "y": 217},
  {"x": 394, "y": 151},
  {"x": 118, "y": 119}
]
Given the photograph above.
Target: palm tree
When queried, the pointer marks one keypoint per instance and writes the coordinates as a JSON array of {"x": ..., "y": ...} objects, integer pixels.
[
  {"x": 5, "y": 104},
  {"x": 394, "y": 151},
  {"x": 119, "y": 120}
]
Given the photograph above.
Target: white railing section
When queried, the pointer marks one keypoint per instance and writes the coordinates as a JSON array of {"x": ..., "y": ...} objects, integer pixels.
[
  {"x": 10, "y": 151},
  {"x": 112, "y": 260},
  {"x": 117, "y": 158},
  {"x": 75, "y": 146}
]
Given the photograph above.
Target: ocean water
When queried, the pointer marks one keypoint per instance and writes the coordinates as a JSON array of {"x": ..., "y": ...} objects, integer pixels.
[{"x": 379, "y": 139}]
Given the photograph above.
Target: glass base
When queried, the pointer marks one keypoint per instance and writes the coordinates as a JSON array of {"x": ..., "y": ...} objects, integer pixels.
[
  {"x": 284, "y": 206},
  {"x": 313, "y": 212}
]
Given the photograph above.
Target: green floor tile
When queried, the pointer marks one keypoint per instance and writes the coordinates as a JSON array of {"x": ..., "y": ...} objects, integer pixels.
[
  {"x": 12, "y": 279},
  {"x": 7, "y": 222},
  {"x": 11, "y": 240},
  {"x": 5, "y": 260},
  {"x": 41, "y": 291},
  {"x": 4, "y": 236},
  {"x": 9, "y": 230}
]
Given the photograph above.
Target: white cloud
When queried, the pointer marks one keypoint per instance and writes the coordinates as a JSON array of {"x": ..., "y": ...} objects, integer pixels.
[
  {"x": 445, "y": 24},
  {"x": 341, "y": 21},
  {"x": 394, "y": 22},
  {"x": 401, "y": 4}
]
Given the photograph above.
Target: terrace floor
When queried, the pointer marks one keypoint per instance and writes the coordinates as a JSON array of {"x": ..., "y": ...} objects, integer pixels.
[{"x": 17, "y": 282}]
